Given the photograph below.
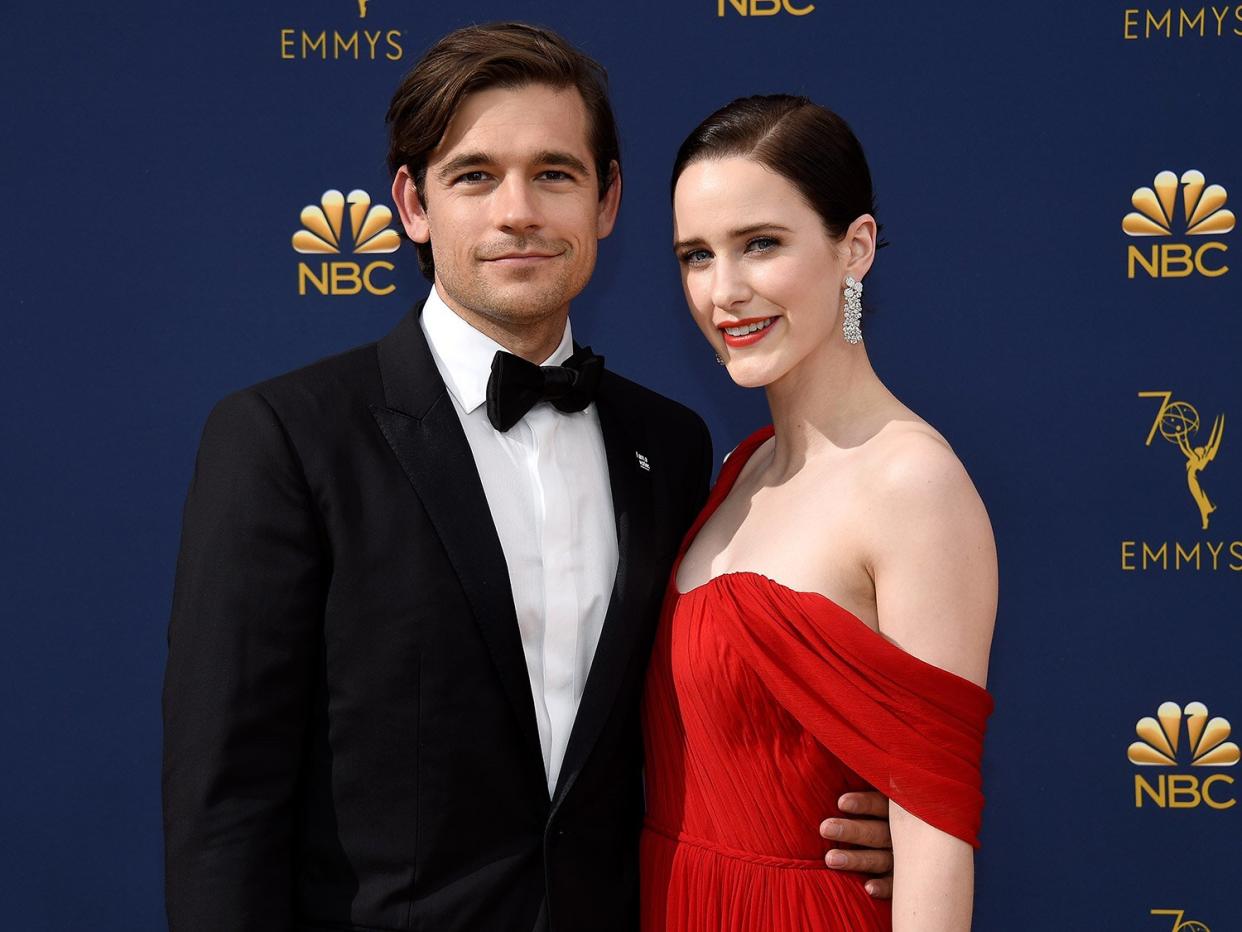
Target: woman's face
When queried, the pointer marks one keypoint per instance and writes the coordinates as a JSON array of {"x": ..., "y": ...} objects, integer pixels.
[{"x": 761, "y": 274}]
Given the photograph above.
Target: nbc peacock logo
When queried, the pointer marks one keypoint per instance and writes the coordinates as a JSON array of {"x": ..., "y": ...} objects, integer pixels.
[
  {"x": 762, "y": 7},
  {"x": 1161, "y": 745},
  {"x": 323, "y": 233},
  {"x": 1155, "y": 214}
]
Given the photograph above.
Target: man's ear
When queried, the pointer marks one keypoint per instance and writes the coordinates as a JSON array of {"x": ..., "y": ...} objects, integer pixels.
[
  {"x": 413, "y": 214},
  {"x": 609, "y": 203}
]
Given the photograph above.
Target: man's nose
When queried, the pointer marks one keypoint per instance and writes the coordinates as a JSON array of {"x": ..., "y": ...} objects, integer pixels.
[{"x": 516, "y": 206}]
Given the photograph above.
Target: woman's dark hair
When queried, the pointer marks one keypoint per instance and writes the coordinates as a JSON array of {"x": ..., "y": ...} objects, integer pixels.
[
  {"x": 476, "y": 58},
  {"x": 809, "y": 146}
]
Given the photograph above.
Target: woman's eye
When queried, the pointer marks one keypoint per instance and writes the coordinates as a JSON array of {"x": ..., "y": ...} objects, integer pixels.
[
  {"x": 695, "y": 256},
  {"x": 762, "y": 243}
]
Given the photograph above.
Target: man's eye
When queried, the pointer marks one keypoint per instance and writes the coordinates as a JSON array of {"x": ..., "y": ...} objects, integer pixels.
[
  {"x": 471, "y": 177},
  {"x": 555, "y": 174}
]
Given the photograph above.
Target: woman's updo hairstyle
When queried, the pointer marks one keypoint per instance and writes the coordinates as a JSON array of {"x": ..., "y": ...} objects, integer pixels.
[{"x": 810, "y": 147}]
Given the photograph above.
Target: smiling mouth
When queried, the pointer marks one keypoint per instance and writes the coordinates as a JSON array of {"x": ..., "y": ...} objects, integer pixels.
[
  {"x": 753, "y": 327},
  {"x": 747, "y": 332},
  {"x": 521, "y": 262}
]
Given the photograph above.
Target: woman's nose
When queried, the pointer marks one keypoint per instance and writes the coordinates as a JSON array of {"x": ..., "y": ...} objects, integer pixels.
[{"x": 729, "y": 287}]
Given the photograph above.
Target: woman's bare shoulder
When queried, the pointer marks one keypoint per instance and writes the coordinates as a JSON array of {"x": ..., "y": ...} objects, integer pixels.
[
  {"x": 931, "y": 552},
  {"x": 910, "y": 464}
]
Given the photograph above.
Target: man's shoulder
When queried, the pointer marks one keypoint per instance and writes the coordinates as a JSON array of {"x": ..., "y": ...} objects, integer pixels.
[
  {"x": 650, "y": 405},
  {"x": 350, "y": 372},
  {"x": 315, "y": 395}
]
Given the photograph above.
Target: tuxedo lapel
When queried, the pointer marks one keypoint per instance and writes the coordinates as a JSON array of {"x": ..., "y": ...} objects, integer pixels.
[
  {"x": 423, "y": 429},
  {"x": 630, "y": 478}
]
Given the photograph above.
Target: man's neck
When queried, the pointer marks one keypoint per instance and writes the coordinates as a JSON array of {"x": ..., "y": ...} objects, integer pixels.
[{"x": 533, "y": 339}]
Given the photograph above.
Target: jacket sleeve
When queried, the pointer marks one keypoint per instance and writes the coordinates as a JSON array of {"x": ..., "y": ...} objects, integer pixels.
[{"x": 242, "y": 647}]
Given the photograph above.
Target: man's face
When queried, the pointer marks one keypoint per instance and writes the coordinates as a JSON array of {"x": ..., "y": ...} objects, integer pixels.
[{"x": 513, "y": 211}]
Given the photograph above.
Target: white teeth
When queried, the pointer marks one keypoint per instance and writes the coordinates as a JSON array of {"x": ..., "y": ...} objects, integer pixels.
[{"x": 749, "y": 328}]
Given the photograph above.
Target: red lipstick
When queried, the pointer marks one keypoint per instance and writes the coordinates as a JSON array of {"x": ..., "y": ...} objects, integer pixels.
[{"x": 749, "y": 339}]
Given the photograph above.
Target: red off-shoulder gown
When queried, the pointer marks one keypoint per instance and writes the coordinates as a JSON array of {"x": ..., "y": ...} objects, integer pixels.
[{"x": 763, "y": 705}]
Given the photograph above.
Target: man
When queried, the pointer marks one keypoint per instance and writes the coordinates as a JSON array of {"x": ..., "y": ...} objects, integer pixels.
[{"x": 418, "y": 581}]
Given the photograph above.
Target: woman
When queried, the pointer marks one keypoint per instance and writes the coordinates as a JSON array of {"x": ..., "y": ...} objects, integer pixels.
[{"x": 827, "y": 626}]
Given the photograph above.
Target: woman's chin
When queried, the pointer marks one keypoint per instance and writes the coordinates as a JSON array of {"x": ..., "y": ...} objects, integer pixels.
[{"x": 748, "y": 374}]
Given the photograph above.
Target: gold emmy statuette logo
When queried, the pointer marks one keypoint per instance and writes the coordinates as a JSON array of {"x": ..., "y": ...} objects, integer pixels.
[
  {"x": 323, "y": 232},
  {"x": 1189, "y": 925},
  {"x": 1161, "y": 746},
  {"x": 1177, "y": 422},
  {"x": 1203, "y": 210},
  {"x": 362, "y": 9},
  {"x": 762, "y": 7}
]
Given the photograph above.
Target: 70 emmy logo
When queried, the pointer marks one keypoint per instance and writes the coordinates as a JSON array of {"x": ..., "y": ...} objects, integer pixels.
[
  {"x": 1190, "y": 925},
  {"x": 1177, "y": 422}
]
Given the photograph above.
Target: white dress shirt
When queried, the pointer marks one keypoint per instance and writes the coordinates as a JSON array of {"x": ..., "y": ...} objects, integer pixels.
[{"x": 546, "y": 482}]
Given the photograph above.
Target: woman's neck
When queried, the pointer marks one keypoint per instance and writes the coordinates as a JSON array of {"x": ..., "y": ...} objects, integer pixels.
[{"x": 831, "y": 401}]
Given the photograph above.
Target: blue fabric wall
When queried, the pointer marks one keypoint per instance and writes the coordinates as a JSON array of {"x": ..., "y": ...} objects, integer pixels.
[{"x": 156, "y": 160}]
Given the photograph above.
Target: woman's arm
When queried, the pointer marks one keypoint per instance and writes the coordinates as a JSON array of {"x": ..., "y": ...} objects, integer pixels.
[
  {"x": 933, "y": 877},
  {"x": 933, "y": 560}
]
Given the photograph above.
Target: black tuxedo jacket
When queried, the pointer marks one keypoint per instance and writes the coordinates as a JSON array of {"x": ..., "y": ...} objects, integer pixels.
[{"x": 350, "y": 740}]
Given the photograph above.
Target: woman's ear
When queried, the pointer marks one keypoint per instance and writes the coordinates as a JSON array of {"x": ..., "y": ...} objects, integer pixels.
[{"x": 859, "y": 242}]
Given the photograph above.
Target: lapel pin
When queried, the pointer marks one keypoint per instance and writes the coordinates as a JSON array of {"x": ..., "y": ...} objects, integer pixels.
[{"x": 642, "y": 461}]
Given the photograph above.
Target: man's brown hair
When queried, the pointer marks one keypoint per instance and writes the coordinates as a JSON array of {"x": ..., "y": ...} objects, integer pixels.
[{"x": 476, "y": 58}]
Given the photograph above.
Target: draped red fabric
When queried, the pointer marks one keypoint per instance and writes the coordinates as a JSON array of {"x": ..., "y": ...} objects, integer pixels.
[{"x": 763, "y": 705}]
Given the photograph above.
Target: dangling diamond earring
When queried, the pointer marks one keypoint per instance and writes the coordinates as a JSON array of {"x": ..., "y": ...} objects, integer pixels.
[
  {"x": 851, "y": 323},
  {"x": 719, "y": 361}
]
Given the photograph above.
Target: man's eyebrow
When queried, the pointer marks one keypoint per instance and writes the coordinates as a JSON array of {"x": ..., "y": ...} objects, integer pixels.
[
  {"x": 733, "y": 234},
  {"x": 549, "y": 157},
  {"x": 469, "y": 160},
  {"x": 461, "y": 162}
]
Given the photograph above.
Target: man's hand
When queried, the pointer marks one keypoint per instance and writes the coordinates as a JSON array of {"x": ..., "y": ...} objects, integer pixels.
[{"x": 869, "y": 833}]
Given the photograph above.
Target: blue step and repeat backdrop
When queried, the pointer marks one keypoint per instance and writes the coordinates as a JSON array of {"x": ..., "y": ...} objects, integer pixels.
[{"x": 1061, "y": 299}]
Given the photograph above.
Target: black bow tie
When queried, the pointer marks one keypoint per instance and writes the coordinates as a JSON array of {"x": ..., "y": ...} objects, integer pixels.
[{"x": 516, "y": 385}]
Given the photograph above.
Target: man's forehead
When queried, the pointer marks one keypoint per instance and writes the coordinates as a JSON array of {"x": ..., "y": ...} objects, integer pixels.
[{"x": 517, "y": 122}]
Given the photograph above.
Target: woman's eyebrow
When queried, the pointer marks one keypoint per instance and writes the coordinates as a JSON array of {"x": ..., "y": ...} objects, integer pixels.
[{"x": 733, "y": 234}]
